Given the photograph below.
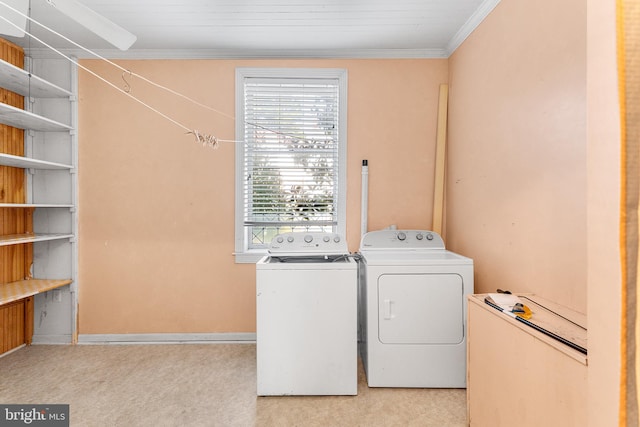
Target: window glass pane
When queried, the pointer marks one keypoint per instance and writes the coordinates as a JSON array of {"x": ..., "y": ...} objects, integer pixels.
[{"x": 290, "y": 156}]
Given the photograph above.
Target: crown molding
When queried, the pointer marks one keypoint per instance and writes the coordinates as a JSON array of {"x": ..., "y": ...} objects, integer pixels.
[
  {"x": 472, "y": 23},
  {"x": 45, "y": 53}
]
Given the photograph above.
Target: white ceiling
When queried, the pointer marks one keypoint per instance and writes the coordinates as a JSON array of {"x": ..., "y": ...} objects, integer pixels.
[{"x": 268, "y": 28}]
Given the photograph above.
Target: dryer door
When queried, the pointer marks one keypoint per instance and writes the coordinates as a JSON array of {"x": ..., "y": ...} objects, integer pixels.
[{"x": 420, "y": 309}]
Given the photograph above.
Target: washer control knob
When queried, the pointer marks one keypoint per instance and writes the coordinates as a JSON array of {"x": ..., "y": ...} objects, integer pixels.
[
  {"x": 326, "y": 239},
  {"x": 336, "y": 239},
  {"x": 402, "y": 236},
  {"x": 279, "y": 239},
  {"x": 290, "y": 239},
  {"x": 419, "y": 236},
  {"x": 308, "y": 238},
  {"x": 429, "y": 236}
]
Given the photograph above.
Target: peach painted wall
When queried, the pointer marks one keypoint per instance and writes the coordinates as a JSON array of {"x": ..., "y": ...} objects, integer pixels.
[
  {"x": 157, "y": 210},
  {"x": 604, "y": 276},
  {"x": 517, "y": 178},
  {"x": 528, "y": 174}
]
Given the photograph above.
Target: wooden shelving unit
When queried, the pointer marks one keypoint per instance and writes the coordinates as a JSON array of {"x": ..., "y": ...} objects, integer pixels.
[{"x": 38, "y": 207}]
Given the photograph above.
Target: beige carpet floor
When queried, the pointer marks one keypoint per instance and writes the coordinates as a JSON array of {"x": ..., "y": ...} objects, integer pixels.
[{"x": 200, "y": 385}]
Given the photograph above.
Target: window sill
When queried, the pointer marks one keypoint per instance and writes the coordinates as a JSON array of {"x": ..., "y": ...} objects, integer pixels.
[{"x": 250, "y": 257}]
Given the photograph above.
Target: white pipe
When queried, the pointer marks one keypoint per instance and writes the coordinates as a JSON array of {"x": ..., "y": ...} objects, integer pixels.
[{"x": 365, "y": 198}]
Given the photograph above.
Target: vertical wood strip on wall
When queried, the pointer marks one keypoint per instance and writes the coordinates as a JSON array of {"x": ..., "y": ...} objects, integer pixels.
[
  {"x": 441, "y": 144},
  {"x": 15, "y": 260},
  {"x": 628, "y": 29}
]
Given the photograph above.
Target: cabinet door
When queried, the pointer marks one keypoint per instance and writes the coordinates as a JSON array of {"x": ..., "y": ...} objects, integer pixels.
[{"x": 420, "y": 309}]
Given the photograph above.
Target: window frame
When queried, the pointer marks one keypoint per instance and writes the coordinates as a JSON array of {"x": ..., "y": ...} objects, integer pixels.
[{"x": 242, "y": 252}]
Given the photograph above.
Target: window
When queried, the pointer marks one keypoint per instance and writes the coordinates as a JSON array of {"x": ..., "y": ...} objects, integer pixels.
[{"x": 291, "y": 163}]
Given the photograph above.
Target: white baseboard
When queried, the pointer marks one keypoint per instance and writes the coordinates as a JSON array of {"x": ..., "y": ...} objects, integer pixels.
[
  {"x": 210, "y": 338},
  {"x": 51, "y": 339}
]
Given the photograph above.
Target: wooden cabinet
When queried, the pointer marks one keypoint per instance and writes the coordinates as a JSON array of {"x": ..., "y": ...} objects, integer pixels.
[
  {"x": 519, "y": 376},
  {"x": 38, "y": 165}
]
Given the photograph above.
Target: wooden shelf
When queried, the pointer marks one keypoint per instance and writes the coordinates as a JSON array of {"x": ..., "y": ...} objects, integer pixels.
[
  {"x": 27, "y": 163},
  {"x": 21, "y": 119},
  {"x": 19, "y": 239},
  {"x": 15, "y": 291},
  {"x": 21, "y": 82},
  {"x": 33, "y": 205}
]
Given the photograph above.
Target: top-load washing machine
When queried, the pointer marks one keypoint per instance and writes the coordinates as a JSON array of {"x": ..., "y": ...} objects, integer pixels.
[
  {"x": 413, "y": 313},
  {"x": 306, "y": 317}
]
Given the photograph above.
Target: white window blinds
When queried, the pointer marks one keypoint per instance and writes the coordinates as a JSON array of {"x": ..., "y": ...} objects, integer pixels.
[{"x": 290, "y": 153}]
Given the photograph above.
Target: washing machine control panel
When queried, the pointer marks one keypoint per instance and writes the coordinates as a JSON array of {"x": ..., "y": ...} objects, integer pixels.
[
  {"x": 308, "y": 243},
  {"x": 401, "y": 239}
]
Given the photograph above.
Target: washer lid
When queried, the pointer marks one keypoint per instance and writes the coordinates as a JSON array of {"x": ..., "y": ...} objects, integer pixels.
[
  {"x": 316, "y": 266},
  {"x": 316, "y": 259}
]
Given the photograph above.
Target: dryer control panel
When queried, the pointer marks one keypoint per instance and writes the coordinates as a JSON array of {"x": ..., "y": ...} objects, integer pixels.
[{"x": 401, "y": 239}]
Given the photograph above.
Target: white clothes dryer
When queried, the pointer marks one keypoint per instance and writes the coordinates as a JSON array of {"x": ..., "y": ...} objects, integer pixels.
[{"x": 412, "y": 319}]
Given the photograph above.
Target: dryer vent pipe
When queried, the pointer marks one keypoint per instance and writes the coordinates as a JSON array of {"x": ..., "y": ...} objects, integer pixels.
[{"x": 365, "y": 198}]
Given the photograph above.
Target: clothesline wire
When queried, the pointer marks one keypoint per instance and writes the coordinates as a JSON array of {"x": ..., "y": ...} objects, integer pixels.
[
  {"x": 125, "y": 70},
  {"x": 205, "y": 139}
]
